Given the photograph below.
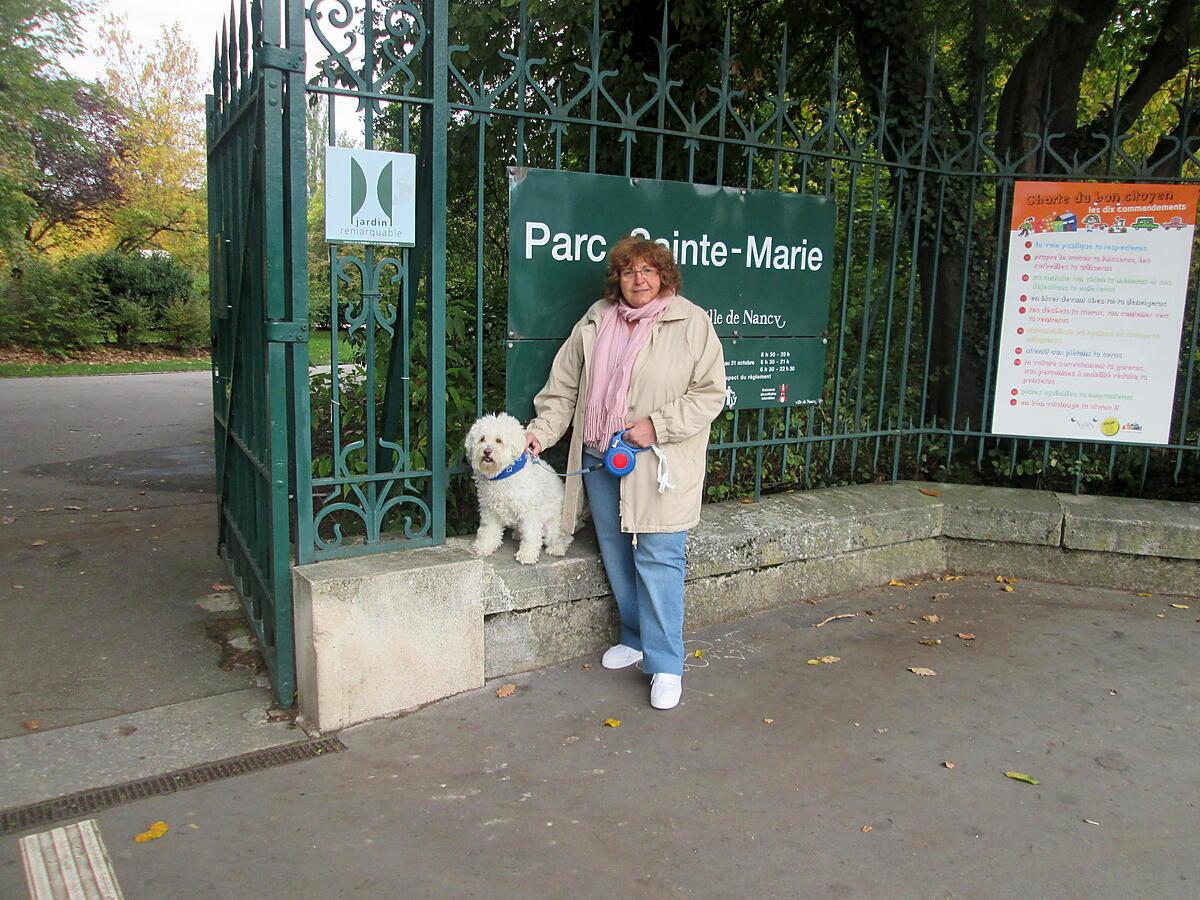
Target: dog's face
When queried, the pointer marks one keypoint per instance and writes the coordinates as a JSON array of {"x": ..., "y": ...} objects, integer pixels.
[{"x": 494, "y": 443}]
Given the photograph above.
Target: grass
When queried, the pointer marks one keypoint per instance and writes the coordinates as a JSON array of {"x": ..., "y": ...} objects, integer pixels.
[
  {"x": 318, "y": 354},
  {"x": 319, "y": 348},
  {"x": 35, "y": 370}
]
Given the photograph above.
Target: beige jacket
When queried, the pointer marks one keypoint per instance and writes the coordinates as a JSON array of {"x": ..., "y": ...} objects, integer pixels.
[{"x": 678, "y": 380}]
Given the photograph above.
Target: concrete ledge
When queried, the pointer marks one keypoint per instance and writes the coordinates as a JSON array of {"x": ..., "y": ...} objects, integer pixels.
[
  {"x": 1136, "y": 527},
  {"x": 1008, "y": 515},
  {"x": 380, "y": 634}
]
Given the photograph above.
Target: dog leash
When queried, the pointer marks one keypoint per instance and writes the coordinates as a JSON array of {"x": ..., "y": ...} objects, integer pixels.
[{"x": 619, "y": 460}]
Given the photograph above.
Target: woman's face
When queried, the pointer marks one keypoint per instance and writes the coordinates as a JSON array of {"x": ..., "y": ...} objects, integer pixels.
[{"x": 639, "y": 283}]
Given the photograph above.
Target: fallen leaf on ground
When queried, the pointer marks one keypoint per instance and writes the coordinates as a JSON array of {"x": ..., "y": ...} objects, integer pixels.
[
  {"x": 931, "y": 642},
  {"x": 835, "y": 618},
  {"x": 930, "y": 492},
  {"x": 948, "y": 764},
  {"x": 31, "y": 725},
  {"x": 38, "y": 543},
  {"x": 1180, "y": 606},
  {"x": 46, "y": 509},
  {"x": 921, "y": 670},
  {"x": 506, "y": 690},
  {"x": 220, "y": 586},
  {"x": 950, "y": 577},
  {"x": 1145, "y": 595},
  {"x": 7, "y": 520},
  {"x": 966, "y": 636},
  {"x": 867, "y": 828},
  {"x": 1008, "y": 588},
  {"x": 896, "y": 582},
  {"x": 826, "y": 660},
  {"x": 1090, "y": 822},
  {"x": 586, "y": 666},
  {"x": 768, "y": 721},
  {"x": 1021, "y": 776},
  {"x": 73, "y": 508},
  {"x": 155, "y": 831},
  {"x": 699, "y": 654},
  {"x": 931, "y": 618},
  {"x": 611, "y": 723}
]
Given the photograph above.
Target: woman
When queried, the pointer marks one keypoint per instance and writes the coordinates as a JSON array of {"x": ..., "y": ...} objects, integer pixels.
[{"x": 644, "y": 361}]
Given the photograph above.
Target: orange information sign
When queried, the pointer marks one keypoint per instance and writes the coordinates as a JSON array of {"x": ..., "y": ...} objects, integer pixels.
[{"x": 1093, "y": 310}]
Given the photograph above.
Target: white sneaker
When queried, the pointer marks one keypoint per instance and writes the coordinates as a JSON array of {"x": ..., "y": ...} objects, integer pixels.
[
  {"x": 665, "y": 690},
  {"x": 619, "y": 656}
]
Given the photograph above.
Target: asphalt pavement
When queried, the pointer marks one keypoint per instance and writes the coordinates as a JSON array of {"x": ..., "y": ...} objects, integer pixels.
[
  {"x": 849, "y": 778},
  {"x": 107, "y": 549}
]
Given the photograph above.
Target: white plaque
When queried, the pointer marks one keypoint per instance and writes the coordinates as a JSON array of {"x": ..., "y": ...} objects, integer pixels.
[{"x": 370, "y": 197}]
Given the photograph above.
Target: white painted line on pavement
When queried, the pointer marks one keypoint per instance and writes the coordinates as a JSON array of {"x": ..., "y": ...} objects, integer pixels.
[{"x": 69, "y": 863}]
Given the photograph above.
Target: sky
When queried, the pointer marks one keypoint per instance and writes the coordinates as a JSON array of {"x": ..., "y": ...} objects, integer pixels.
[{"x": 199, "y": 19}]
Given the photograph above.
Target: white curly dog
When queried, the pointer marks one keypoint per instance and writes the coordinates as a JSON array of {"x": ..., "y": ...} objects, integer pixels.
[{"x": 523, "y": 495}]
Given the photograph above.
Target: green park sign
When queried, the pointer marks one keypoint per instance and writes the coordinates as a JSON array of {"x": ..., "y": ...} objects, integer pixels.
[{"x": 759, "y": 262}]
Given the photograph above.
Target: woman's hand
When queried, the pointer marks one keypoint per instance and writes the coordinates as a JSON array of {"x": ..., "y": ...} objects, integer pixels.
[
  {"x": 532, "y": 444},
  {"x": 641, "y": 433}
]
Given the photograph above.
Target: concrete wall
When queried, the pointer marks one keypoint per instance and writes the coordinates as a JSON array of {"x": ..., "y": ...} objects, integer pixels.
[{"x": 380, "y": 634}]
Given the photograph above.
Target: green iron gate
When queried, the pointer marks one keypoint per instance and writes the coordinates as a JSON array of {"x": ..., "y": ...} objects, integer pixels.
[{"x": 259, "y": 315}]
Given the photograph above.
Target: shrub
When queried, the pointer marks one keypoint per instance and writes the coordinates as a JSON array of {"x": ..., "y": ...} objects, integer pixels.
[
  {"x": 149, "y": 282},
  {"x": 186, "y": 324},
  {"x": 48, "y": 308},
  {"x": 129, "y": 322}
]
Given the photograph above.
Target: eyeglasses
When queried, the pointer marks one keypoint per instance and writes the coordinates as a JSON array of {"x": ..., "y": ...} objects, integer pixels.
[{"x": 644, "y": 271}]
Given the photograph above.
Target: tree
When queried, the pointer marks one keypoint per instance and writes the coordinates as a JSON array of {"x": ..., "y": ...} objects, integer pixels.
[
  {"x": 34, "y": 37},
  {"x": 162, "y": 173},
  {"x": 1048, "y": 61},
  {"x": 77, "y": 158}
]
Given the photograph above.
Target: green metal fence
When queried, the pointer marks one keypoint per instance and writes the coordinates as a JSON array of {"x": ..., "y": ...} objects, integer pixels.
[
  {"x": 921, "y": 251},
  {"x": 255, "y": 119},
  {"x": 416, "y": 336}
]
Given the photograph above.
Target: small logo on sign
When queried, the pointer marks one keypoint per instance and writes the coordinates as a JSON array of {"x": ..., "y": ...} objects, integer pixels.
[{"x": 359, "y": 195}]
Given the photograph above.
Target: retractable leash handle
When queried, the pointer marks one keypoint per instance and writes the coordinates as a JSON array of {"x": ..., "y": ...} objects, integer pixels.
[{"x": 620, "y": 458}]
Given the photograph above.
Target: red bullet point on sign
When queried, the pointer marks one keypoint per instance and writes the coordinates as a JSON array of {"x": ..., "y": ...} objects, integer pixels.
[
  {"x": 1016, "y": 362},
  {"x": 1028, "y": 244},
  {"x": 1024, "y": 298},
  {"x": 1020, "y": 331},
  {"x": 1021, "y": 310},
  {"x": 1012, "y": 402},
  {"x": 1024, "y": 277},
  {"x": 1014, "y": 392},
  {"x": 1027, "y": 257},
  {"x": 1018, "y": 351}
]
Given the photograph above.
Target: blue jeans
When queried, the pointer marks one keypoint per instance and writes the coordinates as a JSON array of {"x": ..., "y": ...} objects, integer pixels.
[{"x": 647, "y": 580}]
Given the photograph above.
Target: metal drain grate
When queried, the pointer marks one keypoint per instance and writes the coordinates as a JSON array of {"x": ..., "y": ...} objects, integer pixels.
[{"x": 83, "y": 803}]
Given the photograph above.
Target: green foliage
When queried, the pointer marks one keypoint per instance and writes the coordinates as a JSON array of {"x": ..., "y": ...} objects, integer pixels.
[
  {"x": 34, "y": 37},
  {"x": 134, "y": 291},
  {"x": 48, "y": 308},
  {"x": 186, "y": 324}
]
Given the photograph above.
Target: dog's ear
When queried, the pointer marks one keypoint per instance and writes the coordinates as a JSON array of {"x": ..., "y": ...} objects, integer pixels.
[{"x": 472, "y": 435}]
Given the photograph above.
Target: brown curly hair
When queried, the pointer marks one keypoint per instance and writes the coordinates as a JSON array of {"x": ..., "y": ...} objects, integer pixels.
[{"x": 629, "y": 248}]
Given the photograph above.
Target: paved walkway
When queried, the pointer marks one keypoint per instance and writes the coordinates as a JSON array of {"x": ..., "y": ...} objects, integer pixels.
[
  {"x": 106, "y": 489},
  {"x": 845, "y": 793}
]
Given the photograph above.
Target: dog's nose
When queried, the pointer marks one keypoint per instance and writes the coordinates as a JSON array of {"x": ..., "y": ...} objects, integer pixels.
[{"x": 487, "y": 452}]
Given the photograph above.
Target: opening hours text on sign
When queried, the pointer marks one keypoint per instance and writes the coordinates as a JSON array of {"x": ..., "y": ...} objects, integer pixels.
[{"x": 1093, "y": 310}]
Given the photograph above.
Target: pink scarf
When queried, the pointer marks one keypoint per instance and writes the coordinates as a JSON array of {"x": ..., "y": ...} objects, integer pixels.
[{"x": 616, "y": 350}]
